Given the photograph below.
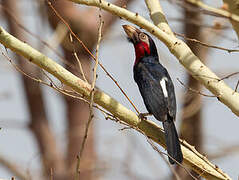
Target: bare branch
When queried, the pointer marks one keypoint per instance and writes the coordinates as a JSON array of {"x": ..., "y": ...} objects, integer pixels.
[
  {"x": 13, "y": 168},
  {"x": 230, "y": 75},
  {"x": 157, "y": 16},
  {"x": 207, "y": 45},
  {"x": 232, "y": 8},
  {"x": 78, "y": 60},
  {"x": 91, "y": 100},
  {"x": 193, "y": 90},
  {"x": 20, "y": 25},
  {"x": 219, "y": 12},
  {"x": 237, "y": 86}
]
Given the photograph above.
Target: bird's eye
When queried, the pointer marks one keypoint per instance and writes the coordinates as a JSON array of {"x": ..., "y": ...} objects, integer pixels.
[{"x": 142, "y": 36}]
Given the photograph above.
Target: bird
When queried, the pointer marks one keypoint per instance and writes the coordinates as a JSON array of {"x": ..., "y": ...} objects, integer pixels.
[{"x": 156, "y": 88}]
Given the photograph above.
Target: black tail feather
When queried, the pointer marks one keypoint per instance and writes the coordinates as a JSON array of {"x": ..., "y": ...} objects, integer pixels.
[{"x": 172, "y": 142}]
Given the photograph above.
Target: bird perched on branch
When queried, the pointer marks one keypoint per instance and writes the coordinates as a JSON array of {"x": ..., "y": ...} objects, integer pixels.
[{"x": 156, "y": 88}]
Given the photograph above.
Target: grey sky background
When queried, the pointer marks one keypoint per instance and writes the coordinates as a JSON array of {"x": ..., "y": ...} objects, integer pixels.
[{"x": 220, "y": 125}]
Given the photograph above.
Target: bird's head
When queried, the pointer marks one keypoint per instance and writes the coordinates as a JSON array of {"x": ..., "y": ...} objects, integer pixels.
[{"x": 143, "y": 43}]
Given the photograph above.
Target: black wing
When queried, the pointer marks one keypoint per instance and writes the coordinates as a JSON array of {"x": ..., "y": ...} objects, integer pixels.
[{"x": 159, "y": 100}]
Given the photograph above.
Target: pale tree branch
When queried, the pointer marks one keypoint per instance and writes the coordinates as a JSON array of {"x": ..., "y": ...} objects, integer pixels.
[
  {"x": 192, "y": 158},
  {"x": 219, "y": 12},
  {"x": 91, "y": 115},
  {"x": 232, "y": 7},
  {"x": 230, "y": 11},
  {"x": 13, "y": 168},
  {"x": 157, "y": 16}
]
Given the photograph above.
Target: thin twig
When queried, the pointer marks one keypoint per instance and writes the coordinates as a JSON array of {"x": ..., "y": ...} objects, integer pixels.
[
  {"x": 80, "y": 66},
  {"x": 205, "y": 44},
  {"x": 230, "y": 75},
  {"x": 19, "y": 70},
  {"x": 88, "y": 51},
  {"x": 163, "y": 157},
  {"x": 51, "y": 85},
  {"x": 237, "y": 86},
  {"x": 160, "y": 152},
  {"x": 13, "y": 168},
  {"x": 11, "y": 15},
  {"x": 54, "y": 86},
  {"x": 214, "y": 11},
  {"x": 174, "y": 172},
  {"x": 78, "y": 60},
  {"x": 193, "y": 90},
  {"x": 91, "y": 100},
  {"x": 201, "y": 7}
]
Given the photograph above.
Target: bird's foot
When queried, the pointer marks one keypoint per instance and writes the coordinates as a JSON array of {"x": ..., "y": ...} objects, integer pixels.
[{"x": 144, "y": 115}]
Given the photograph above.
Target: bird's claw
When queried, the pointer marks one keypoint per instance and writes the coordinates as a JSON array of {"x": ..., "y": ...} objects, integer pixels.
[{"x": 144, "y": 115}]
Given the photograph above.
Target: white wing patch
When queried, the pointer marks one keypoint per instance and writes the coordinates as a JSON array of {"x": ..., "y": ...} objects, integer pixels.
[{"x": 163, "y": 85}]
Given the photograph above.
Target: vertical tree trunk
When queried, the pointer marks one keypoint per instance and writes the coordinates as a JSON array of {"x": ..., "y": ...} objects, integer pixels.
[{"x": 191, "y": 127}]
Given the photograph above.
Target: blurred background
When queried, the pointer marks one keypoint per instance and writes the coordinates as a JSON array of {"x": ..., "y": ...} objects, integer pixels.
[{"x": 42, "y": 130}]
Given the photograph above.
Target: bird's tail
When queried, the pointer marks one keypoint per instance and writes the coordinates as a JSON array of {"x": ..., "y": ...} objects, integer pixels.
[{"x": 172, "y": 142}]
